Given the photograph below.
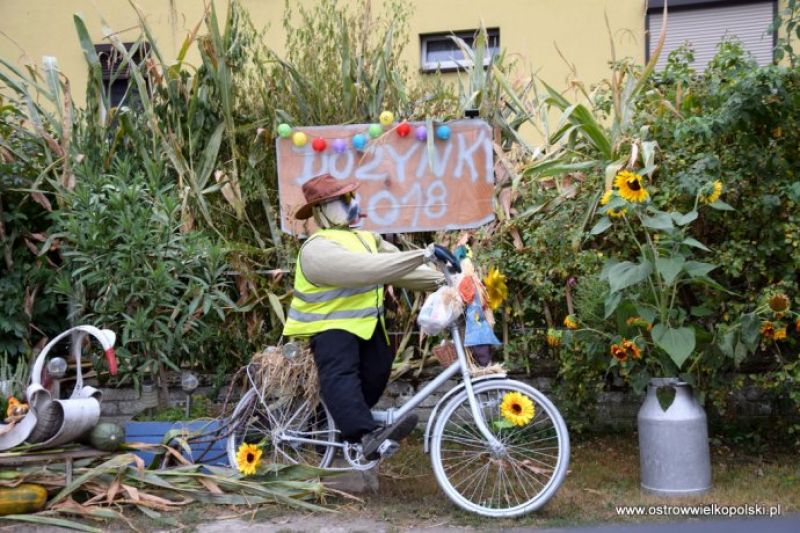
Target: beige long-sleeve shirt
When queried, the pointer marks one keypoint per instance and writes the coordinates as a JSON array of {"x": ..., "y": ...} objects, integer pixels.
[{"x": 327, "y": 263}]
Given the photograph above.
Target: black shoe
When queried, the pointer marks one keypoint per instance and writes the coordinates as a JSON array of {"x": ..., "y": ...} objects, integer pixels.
[{"x": 372, "y": 441}]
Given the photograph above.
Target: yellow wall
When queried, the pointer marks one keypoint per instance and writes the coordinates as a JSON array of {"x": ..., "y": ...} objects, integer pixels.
[{"x": 528, "y": 29}]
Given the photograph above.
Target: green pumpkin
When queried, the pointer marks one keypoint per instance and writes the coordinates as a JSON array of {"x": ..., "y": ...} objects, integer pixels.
[{"x": 107, "y": 437}]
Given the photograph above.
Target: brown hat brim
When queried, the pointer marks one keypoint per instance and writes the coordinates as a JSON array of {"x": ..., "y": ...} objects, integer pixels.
[{"x": 307, "y": 210}]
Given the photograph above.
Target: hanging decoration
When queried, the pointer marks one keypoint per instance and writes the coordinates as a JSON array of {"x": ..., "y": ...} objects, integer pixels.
[
  {"x": 299, "y": 138},
  {"x": 360, "y": 141},
  {"x": 319, "y": 144},
  {"x": 386, "y": 119},
  {"x": 403, "y": 129},
  {"x": 284, "y": 130}
]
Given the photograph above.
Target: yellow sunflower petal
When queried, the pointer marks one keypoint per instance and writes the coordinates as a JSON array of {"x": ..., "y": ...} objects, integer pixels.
[
  {"x": 517, "y": 408},
  {"x": 496, "y": 288},
  {"x": 716, "y": 192}
]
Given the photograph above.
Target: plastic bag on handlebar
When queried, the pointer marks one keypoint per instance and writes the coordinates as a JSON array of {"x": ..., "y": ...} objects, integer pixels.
[{"x": 440, "y": 309}]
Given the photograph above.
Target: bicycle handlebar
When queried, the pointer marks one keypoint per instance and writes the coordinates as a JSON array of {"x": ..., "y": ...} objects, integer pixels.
[{"x": 446, "y": 256}]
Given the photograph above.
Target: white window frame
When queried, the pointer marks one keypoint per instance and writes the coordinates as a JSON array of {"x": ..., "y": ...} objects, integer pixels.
[{"x": 449, "y": 66}]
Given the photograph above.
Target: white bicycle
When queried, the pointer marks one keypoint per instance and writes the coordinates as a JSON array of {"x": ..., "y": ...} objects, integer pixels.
[{"x": 483, "y": 463}]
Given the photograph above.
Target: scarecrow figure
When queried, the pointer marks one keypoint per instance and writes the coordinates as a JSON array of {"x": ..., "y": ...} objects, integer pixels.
[
  {"x": 478, "y": 331},
  {"x": 338, "y": 303}
]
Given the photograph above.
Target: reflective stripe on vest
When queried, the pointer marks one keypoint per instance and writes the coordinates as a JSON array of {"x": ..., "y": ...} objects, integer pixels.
[
  {"x": 333, "y": 315},
  {"x": 320, "y": 308},
  {"x": 332, "y": 294}
]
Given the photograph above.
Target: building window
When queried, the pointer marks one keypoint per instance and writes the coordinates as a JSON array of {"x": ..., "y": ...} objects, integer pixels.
[
  {"x": 117, "y": 73},
  {"x": 440, "y": 52},
  {"x": 704, "y": 23}
]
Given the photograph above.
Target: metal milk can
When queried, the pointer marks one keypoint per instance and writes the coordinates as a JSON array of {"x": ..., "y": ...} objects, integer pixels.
[{"x": 673, "y": 443}]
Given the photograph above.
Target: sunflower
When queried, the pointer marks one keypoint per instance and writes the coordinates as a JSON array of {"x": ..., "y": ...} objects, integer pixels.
[
  {"x": 797, "y": 325},
  {"x": 570, "y": 322},
  {"x": 248, "y": 458},
  {"x": 780, "y": 334},
  {"x": 631, "y": 187},
  {"x": 716, "y": 192},
  {"x": 517, "y": 408},
  {"x": 631, "y": 349},
  {"x": 767, "y": 329},
  {"x": 619, "y": 353},
  {"x": 554, "y": 337},
  {"x": 496, "y": 288},
  {"x": 615, "y": 213},
  {"x": 779, "y": 303}
]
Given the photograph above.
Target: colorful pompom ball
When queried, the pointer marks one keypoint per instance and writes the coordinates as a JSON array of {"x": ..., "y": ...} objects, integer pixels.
[
  {"x": 319, "y": 144},
  {"x": 375, "y": 130},
  {"x": 299, "y": 138},
  {"x": 339, "y": 146},
  {"x": 443, "y": 132},
  {"x": 403, "y": 129},
  {"x": 284, "y": 130},
  {"x": 386, "y": 118},
  {"x": 359, "y": 141},
  {"x": 421, "y": 133}
]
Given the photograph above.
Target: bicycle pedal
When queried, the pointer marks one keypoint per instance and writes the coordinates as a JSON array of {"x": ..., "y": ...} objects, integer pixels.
[{"x": 388, "y": 448}]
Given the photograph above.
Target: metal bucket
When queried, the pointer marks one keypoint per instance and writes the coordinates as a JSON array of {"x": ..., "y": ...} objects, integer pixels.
[{"x": 673, "y": 443}]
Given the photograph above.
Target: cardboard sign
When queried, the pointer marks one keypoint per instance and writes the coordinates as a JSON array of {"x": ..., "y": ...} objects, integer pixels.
[{"x": 400, "y": 188}]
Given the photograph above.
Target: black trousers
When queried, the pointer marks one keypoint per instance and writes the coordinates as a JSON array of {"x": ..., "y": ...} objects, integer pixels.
[{"x": 353, "y": 374}]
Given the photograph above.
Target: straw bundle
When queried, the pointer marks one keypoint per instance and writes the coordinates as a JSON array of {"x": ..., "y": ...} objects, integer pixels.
[{"x": 276, "y": 375}]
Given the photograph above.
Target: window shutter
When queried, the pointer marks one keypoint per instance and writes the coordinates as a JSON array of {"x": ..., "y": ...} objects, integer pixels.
[{"x": 705, "y": 28}]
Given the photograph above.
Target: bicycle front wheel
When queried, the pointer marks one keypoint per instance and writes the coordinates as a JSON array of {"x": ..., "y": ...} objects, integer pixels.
[
  {"x": 277, "y": 423},
  {"x": 517, "y": 480}
]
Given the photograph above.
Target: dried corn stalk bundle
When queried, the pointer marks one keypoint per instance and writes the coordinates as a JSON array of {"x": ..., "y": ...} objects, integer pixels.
[{"x": 275, "y": 374}]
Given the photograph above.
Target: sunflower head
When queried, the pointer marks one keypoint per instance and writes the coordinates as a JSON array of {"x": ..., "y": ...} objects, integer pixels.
[
  {"x": 631, "y": 349},
  {"x": 619, "y": 353},
  {"x": 797, "y": 325},
  {"x": 570, "y": 322},
  {"x": 631, "y": 187},
  {"x": 779, "y": 303},
  {"x": 767, "y": 329},
  {"x": 606, "y": 197},
  {"x": 517, "y": 408},
  {"x": 780, "y": 334},
  {"x": 496, "y": 288},
  {"x": 248, "y": 457},
  {"x": 554, "y": 337},
  {"x": 714, "y": 194}
]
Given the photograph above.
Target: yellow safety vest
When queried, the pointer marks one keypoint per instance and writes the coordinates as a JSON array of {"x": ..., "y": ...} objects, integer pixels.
[{"x": 319, "y": 308}]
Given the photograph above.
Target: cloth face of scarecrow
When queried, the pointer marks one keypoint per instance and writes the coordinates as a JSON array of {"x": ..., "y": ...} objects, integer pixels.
[{"x": 338, "y": 303}]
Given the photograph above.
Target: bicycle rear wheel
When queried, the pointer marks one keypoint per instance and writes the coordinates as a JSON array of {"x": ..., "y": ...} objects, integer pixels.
[
  {"x": 273, "y": 420},
  {"x": 519, "y": 480}
]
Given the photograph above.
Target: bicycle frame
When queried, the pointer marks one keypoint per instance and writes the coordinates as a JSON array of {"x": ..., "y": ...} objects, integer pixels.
[{"x": 389, "y": 416}]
